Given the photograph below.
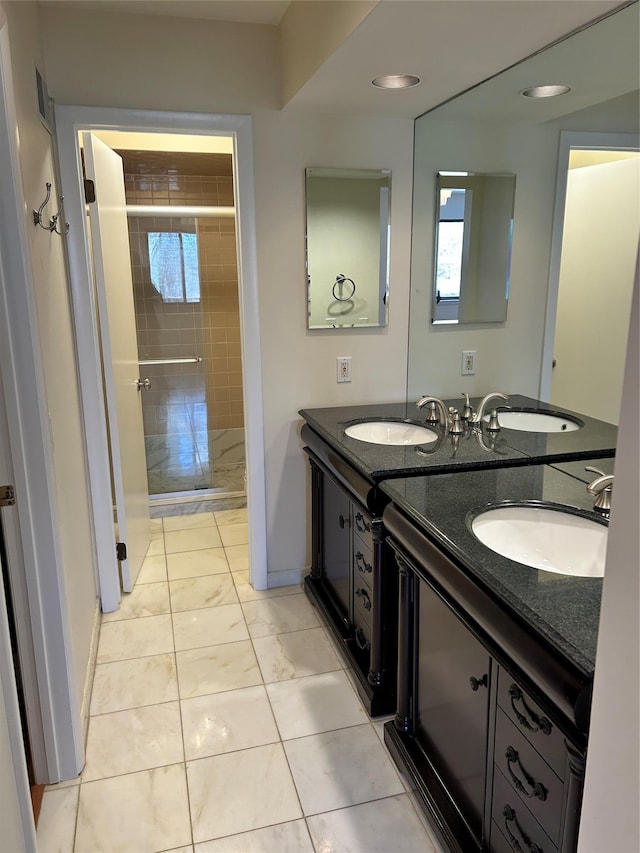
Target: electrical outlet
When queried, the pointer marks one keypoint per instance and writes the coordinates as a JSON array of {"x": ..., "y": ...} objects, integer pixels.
[
  {"x": 344, "y": 368},
  {"x": 468, "y": 362}
]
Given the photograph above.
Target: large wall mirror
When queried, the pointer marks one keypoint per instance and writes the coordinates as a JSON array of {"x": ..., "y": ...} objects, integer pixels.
[
  {"x": 494, "y": 130},
  {"x": 472, "y": 254},
  {"x": 347, "y": 243}
]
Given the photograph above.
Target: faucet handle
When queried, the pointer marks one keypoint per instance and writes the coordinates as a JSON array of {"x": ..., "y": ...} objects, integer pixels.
[
  {"x": 601, "y": 487},
  {"x": 432, "y": 413},
  {"x": 455, "y": 424},
  {"x": 494, "y": 423},
  {"x": 467, "y": 411}
]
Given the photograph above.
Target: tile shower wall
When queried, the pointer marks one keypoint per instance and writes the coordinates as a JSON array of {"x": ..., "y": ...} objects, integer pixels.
[{"x": 193, "y": 414}]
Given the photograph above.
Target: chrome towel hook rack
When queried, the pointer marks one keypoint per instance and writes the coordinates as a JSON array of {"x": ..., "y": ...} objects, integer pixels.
[{"x": 53, "y": 222}]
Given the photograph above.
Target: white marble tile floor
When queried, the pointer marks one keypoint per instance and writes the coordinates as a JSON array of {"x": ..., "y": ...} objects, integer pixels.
[{"x": 222, "y": 720}]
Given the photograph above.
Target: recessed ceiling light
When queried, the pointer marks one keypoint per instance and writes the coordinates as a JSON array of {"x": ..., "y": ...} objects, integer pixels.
[
  {"x": 551, "y": 91},
  {"x": 395, "y": 81}
]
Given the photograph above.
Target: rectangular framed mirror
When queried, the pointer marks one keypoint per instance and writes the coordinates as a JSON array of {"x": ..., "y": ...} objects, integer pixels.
[
  {"x": 472, "y": 249},
  {"x": 347, "y": 247}
]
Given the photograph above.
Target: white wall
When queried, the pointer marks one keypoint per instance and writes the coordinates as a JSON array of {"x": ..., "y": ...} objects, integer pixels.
[
  {"x": 599, "y": 246},
  {"x": 508, "y": 354},
  {"x": 299, "y": 367},
  {"x": 56, "y": 341}
]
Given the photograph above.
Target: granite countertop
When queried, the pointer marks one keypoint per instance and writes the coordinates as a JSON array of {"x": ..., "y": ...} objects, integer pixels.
[
  {"x": 563, "y": 610},
  {"x": 469, "y": 451}
]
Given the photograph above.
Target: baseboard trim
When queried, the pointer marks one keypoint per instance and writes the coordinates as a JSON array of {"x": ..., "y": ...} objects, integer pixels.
[
  {"x": 290, "y": 577},
  {"x": 91, "y": 668}
]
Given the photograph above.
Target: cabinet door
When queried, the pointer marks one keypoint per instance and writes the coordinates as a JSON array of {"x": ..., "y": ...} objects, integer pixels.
[
  {"x": 452, "y": 703},
  {"x": 336, "y": 545}
]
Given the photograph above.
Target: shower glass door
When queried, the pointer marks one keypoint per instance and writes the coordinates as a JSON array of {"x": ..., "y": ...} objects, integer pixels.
[{"x": 188, "y": 328}]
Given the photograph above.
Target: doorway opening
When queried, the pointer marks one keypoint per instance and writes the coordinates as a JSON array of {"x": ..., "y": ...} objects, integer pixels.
[
  {"x": 179, "y": 128},
  {"x": 593, "y": 259}
]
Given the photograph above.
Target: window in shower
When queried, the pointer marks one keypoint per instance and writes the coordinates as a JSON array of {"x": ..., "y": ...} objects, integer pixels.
[{"x": 173, "y": 261}]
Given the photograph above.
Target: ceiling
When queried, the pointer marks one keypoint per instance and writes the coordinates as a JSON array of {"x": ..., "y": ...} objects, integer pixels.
[
  {"x": 240, "y": 11},
  {"x": 452, "y": 45}
]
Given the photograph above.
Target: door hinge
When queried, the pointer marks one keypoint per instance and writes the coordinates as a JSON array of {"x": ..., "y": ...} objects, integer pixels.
[
  {"x": 7, "y": 496},
  {"x": 121, "y": 551},
  {"x": 89, "y": 191}
]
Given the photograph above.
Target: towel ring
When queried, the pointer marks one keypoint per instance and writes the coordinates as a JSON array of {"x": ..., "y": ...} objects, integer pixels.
[{"x": 340, "y": 280}]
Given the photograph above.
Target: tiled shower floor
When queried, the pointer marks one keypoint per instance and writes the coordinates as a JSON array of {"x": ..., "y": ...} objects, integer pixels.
[
  {"x": 184, "y": 462},
  {"x": 222, "y": 720}
]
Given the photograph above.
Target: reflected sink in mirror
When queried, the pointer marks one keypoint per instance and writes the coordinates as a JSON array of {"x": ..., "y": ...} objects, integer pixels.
[
  {"x": 391, "y": 432},
  {"x": 544, "y": 537},
  {"x": 536, "y": 421}
]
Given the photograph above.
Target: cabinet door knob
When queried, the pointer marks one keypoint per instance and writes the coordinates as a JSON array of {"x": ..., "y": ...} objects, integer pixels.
[
  {"x": 476, "y": 683},
  {"x": 342, "y": 521}
]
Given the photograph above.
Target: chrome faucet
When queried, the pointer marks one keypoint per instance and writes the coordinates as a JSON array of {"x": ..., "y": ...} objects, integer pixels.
[
  {"x": 477, "y": 418},
  {"x": 444, "y": 414},
  {"x": 601, "y": 487}
]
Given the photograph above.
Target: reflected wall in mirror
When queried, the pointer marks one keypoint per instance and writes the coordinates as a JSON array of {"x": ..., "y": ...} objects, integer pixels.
[
  {"x": 474, "y": 227},
  {"x": 347, "y": 242}
]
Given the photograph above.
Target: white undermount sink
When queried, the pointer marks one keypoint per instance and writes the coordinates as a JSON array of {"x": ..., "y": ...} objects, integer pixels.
[
  {"x": 544, "y": 538},
  {"x": 536, "y": 421},
  {"x": 391, "y": 432}
]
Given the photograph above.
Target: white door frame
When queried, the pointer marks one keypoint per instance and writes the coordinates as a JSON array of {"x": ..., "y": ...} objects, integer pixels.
[
  {"x": 58, "y": 746},
  {"x": 569, "y": 140},
  {"x": 69, "y": 121}
]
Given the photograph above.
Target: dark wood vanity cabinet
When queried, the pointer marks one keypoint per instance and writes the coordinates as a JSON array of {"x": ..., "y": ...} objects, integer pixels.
[
  {"x": 353, "y": 577},
  {"x": 496, "y": 765},
  {"x": 451, "y": 696},
  {"x": 335, "y": 543}
]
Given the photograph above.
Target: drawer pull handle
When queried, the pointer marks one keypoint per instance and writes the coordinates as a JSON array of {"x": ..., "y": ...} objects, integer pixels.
[
  {"x": 361, "y": 563},
  {"x": 343, "y": 522},
  {"x": 527, "y": 845},
  {"x": 534, "y": 723},
  {"x": 361, "y": 524},
  {"x": 361, "y": 640},
  {"x": 537, "y": 789},
  {"x": 476, "y": 683},
  {"x": 366, "y": 601}
]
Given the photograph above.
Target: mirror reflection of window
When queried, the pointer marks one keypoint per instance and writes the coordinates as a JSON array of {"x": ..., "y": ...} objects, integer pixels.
[
  {"x": 450, "y": 243},
  {"x": 173, "y": 259},
  {"x": 474, "y": 230}
]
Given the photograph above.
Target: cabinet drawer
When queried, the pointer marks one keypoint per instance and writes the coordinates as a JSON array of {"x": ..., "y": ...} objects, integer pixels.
[
  {"x": 362, "y": 525},
  {"x": 536, "y": 784},
  {"x": 363, "y": 602},
  {"x": 362, "y": 564},
  {"x": 532, "y": 721},
  {"x": 514, "y": 820},
  {"x": 362, "y": 617},
  {"x": 499, "y": 843}
]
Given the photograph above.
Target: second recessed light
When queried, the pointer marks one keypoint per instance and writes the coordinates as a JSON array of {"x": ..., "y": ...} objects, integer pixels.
[
  {"x": 395, "y": 81},
  {"x": 551, "y": 91}
]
